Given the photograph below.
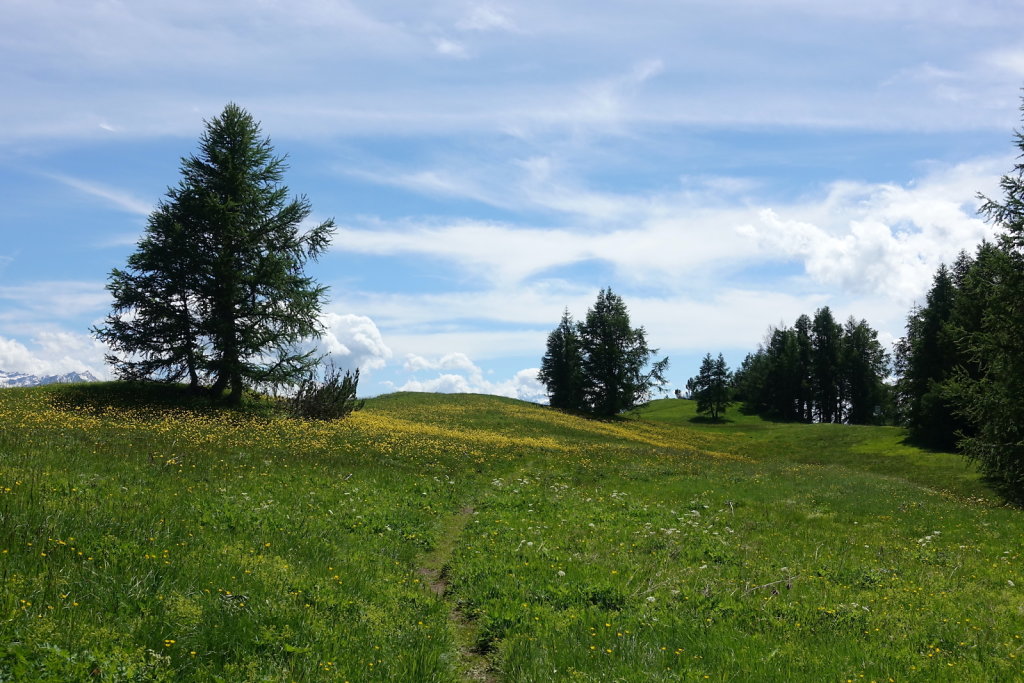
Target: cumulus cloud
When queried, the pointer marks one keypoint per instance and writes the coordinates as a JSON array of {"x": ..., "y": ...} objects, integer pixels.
[
  {"x": 465, "y": 377},
  {"x": 353, "y": 341},
  {"x": 883, "y": 238},
  {"x": 523, "y": 385},
  {"x": 449, "y": 361},
  {"x": 53, "y": 352}
]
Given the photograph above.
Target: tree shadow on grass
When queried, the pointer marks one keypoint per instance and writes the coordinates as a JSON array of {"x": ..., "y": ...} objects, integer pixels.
[
  {"x": 100, "y": 397},
  {"x": 705, "y": 420}
]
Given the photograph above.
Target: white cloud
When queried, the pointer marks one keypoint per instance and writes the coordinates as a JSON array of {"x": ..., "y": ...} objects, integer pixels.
[
  {"x": 524, "y": 385},
  {"x": 485, "y": 18},
  {"x": 117, "y": 198},
  {"x": 856, "y": 237},
  {"x": 353, "y": 341},
  {"x": 660, "y": 247},
  {"x": 450, "y": 48},
  {"x": 468, "y": 378},
  {"x": 882, "y": 239},
  {"x": 445, "y": 384},
  {"x": 15, "y": 357},
  {"x": 146, "y": 68},
  {"x": 54, "y": 298},
  {"x": 866, "y": 249},
  {"x": 449, "y": 361},
  {"x": 53, "y": 352}
]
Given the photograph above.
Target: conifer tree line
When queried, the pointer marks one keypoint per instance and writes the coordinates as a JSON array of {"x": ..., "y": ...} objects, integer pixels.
[
  {"x": 817, "y": 371},
  {"x": 961, "y": 363},
  {"x": 599, "y": 365}
]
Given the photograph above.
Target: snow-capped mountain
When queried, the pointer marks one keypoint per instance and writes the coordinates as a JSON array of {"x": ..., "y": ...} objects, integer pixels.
[{"x": 21, "y": 379}]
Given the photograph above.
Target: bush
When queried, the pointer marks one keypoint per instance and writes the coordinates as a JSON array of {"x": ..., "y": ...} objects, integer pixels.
[{"x": 330, "y": 398}]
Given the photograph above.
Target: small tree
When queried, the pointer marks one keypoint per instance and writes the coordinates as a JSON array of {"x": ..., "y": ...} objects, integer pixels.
[
  {"x": 216, "y": 291},
  {"x": 712, "y": 387},
  {"x": 561, "y": 368}
]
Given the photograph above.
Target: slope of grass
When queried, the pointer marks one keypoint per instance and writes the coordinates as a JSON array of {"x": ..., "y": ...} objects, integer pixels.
[{"x": 476, "y": 538}]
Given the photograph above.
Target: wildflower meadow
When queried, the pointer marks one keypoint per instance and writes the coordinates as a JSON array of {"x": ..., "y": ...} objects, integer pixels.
[{"x": 453, "y": 538}]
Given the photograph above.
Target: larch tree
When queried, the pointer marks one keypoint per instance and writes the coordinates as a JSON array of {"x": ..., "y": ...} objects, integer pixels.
[{"x": 217, "y": 290}]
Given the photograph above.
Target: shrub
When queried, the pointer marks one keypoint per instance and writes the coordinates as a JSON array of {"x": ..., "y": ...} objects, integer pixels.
[{"x": 330, "y": 398}]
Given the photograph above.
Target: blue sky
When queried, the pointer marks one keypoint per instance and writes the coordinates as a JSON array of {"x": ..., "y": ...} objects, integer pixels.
[{"x": 724, "y": 166}]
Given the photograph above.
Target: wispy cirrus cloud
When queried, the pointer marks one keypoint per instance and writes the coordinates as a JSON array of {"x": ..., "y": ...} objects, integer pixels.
[
  {"x": 49, "y": 298},
  {"x": 117, "y": 198}
]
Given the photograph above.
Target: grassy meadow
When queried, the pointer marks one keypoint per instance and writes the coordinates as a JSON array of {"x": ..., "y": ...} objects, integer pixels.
[{"x": 455, "y": 538}]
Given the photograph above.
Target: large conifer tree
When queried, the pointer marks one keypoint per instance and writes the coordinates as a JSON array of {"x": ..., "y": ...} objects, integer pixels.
[
  {"x": 993, "y": 400},
  {"x": 217, "y": 289}
]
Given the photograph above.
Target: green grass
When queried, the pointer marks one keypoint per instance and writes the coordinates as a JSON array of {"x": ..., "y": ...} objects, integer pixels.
[{"x": 445, "y": 538}]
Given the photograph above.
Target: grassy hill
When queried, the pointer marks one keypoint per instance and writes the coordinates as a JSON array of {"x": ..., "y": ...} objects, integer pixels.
[{"x": 443, "y": 538}]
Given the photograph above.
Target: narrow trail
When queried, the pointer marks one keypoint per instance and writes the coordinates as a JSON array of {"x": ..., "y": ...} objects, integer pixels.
[{"x": 473, "y": 665}]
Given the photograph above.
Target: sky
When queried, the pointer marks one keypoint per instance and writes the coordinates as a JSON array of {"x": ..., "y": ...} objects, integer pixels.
[{"x": 723, "y": 166}]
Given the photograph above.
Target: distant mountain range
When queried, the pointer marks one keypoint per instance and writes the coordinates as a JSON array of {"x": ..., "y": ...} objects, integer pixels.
[{"x": 20, "y": 379}]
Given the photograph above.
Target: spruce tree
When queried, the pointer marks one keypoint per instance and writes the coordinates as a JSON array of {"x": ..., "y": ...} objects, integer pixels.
[
  {"x": 925, "y": 359},
  {"x": 804, "y": 368},
  {"x": 863, "y": 365},
  {"x": 561, "y": 368},
  {"x": 220, "y": 272},
  {"x": 992, "y": 401},
  {"x": 825, "y": 360}
]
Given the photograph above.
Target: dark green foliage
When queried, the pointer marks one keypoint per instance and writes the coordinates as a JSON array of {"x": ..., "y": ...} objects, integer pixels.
[
  {"x": 157, "y": 316},
  {"x": 989, "y": 391},
  {"x": 925, "y": 359},
  {"x": 817, "y": 371},
  {"x": 825, "y": 363},
  {"x": 962, "y": 361},
  {"x": 216, "y": 292},
  {"x": 804, "y": 355},
  {"x": 863, "y": 364},
  {"x": 561, "y": 368},
  {"x": 330, "y": 398},
  {"x": 612, "y": 359},
  {"x": 712, "y": 387}
]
